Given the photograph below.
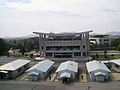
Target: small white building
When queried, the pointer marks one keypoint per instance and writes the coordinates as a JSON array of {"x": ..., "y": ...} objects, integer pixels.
[
  {"x": 40, "y": 70},
  {"x": 116, "y": 65},
  {"x": 97, "y": 71},
  {"x": 67, "y": 70},
  {"x": 14, "y": 68}
]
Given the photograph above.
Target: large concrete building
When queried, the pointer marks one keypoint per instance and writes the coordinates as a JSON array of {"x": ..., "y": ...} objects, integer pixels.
[
  {"x": 101, "y": 39},
  {"x": 64, "y": 45}
]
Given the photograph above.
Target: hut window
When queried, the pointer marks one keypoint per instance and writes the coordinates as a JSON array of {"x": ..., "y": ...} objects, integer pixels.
[
  {"x": 19, "y": 69},
  {"x": 117, "y": 66},
  {"x": 25, "y": 66}
]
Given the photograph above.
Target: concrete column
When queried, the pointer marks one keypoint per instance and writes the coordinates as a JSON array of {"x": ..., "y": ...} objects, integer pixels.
[
  {"x": 40, "y": 48},
  {"x": 52, "y": 55},
  {"x": 72, "y": 55},
  {"x": 81, "y": 54}
]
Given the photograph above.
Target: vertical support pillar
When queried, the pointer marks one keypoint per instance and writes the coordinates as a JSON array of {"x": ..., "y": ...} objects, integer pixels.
[
  {"x": 72, "y": 55},
  {"x": 81, "y": 54},
  {"x": 52, "y": 55},
  {"x": 40, "y": 48}
]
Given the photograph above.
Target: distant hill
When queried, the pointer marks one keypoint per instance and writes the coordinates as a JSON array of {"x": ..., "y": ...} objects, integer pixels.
[
  {"x": 114, "y": 33},
  {"x": 22, "y": 37}
]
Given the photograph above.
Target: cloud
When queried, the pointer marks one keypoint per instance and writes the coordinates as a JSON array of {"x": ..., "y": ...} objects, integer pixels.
[
  {"x": 26, "y": 16},
  {"x": 16, "y": 1}
]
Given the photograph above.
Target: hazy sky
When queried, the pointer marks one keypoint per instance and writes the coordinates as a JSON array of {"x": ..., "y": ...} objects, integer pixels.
[{"x": 22, "y": 17}]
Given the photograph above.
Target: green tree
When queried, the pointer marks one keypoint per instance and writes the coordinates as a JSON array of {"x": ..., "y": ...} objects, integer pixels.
[
  {"x": 4, "y": 47},
  {"x": 118, "y": 47},
  {"x": 115, "y": 43}
]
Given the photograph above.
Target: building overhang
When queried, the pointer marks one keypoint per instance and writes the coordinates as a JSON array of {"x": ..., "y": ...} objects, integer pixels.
[{"x": 62, "y": 34}]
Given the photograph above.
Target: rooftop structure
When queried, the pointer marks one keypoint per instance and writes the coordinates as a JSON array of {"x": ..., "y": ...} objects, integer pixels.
[
  {"x": 42, "y": 66},
  {"x": 97, "y": 70},
  {"x": 64, "y": 45},
  {"x": 67, "y": 70},
  {"x": 117, "y": 61},
  {"x": 40, "y": 70},
  {"x": 116, "y": 65},
  {"x": 95, "y": 65},
  {"x": 68, "y": 65},
  {"x": 14, "y": 65},
  {"x": 13, "y": 69}
]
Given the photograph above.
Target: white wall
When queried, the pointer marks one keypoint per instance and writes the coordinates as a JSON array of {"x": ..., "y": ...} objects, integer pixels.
[{"x": 93, "y": 77}]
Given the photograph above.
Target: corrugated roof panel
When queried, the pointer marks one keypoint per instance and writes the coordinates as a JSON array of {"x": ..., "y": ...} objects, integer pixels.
[
  {"x": 69, "y": 65},
  {"x": 117, "y": 61},
  {"x": 42, "y": 66},
  {"x": 65, "y": 74},
  {"x": 100, "y": 73},
  {"x": 14, "y": 64},
  {"x": 95, "y": 65},
  {"x": 33, "y": 73}
]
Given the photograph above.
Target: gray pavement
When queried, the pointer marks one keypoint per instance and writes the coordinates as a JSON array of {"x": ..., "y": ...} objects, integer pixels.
[
  {"x": 5, "y": 59},
  {"x": 28, "y": 85},
  {"x": 40, "y": 85}
]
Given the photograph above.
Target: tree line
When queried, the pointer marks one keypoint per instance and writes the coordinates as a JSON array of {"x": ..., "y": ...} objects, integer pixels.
[{"x": 24, "y": 45}]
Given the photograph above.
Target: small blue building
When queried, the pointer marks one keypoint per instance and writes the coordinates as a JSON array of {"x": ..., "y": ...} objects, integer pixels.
[
  {"x": 97, "y": 71},
  {"x": 40, "y": 70}
]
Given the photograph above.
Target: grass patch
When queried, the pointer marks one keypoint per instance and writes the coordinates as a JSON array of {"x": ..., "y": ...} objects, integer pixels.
[
  {"x": 22, "y": 57},
  {"x": 101, "y": 57}
]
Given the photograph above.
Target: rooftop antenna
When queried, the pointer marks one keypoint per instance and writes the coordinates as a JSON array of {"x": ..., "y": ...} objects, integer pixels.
[
  {"x": 107, "y": 30},
  {"x": 51, "y": 31}
]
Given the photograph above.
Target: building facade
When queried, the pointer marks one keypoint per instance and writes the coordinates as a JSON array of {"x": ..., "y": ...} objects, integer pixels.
[
  {"x": 64, "y": 45},
  {"x": 101, "y": 39}
]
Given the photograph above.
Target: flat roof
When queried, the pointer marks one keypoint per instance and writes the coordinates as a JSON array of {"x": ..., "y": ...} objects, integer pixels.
[
  {"x": 95, "y": 65},
  {"x": 11, "y": 66},
  {"x": 68, "y": 65},
  {"x": 62, "y": 34},
  {"x": 42, "y": 66}
]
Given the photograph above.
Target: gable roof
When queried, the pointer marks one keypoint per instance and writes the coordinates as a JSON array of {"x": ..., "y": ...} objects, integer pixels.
[
  {"x": 117, "y": 61},
  {"x": 42, "y": 66},
  {"x": 65, "y": 74},
  {"x": 11, "y": 66},
  {"x": 95, "y": 65},
  {"x": 68, "y": 65}
]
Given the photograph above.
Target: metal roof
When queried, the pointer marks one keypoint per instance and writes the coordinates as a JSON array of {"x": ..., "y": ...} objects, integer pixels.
[
  {"x": 65, "y": 74},
  {"x": 100, "y": 73},
  {"x": 4, "y": 71},
  {"x": 95, "y": 65},
  {"x": 68, "y": 65},
  {"x": 11, "y": 66},
  {"x": 33, "y": 73},
  {"x": 42, "y": 66},
  {"x": 117, "y": 61}
]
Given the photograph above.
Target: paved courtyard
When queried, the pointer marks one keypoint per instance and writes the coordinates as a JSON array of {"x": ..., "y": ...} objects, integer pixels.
[{"x": 28, "y": 85}]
